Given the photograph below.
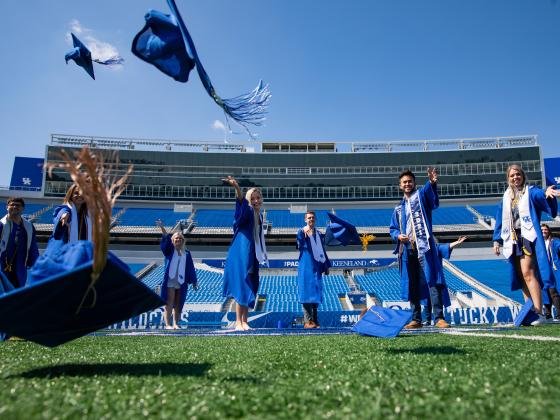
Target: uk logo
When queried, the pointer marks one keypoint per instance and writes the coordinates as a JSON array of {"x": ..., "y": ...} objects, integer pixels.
[{"x": 26, "y": 181}]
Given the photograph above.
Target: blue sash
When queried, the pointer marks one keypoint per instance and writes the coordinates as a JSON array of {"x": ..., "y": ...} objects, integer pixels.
[{"x": 421, "y": 234}]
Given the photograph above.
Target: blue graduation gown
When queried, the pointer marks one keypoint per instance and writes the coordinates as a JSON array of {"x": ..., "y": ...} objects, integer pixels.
[
  {"x": 555, "y": 250},
  {"x": 429, "y": 200},
  {"x": 538, "y": 204},
  {"x": 190, "y": 273},
  {"x": 239, "y": 282},
  {"x": 24, "y": 258},
  {"x": 310, "y": 272}
]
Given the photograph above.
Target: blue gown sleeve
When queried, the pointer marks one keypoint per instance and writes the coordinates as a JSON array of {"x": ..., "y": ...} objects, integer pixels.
[
  {"x": 497, "y": 237},
  {"x": 166, "y": 245},
  {"x": 242, "y": 212},
  {"x": 300, "y": 239},
  {"x": 33, "y": 252},
  {"x": 543, "y": 204},
  {"x": 430, "y": 195},
  {"x": 444, "y": 251},
  {"x": 394, "y": 227},
  {"x": 60, "y": 231},
  {"x": 191, "y": 271}
]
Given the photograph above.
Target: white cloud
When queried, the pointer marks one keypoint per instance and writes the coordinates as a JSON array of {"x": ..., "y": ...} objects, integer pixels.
[
  {"x": 99, "y": 50},
  {"x": 218, "y": 125}
]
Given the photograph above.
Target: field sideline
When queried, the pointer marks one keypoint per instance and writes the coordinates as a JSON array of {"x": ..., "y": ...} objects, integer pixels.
[{"x": 338, "y": 376}]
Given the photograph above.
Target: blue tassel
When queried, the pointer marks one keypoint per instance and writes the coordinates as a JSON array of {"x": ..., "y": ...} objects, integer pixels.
[{"x": 249, "y": 108}]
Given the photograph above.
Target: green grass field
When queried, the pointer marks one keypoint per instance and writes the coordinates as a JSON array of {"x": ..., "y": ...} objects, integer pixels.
[{"x": 337, "y": 376}]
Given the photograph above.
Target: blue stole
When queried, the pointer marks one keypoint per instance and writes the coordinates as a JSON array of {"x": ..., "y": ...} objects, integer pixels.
[{"x": 421, "y": 234}]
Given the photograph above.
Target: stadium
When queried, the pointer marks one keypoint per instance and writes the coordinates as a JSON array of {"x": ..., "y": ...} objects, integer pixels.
[{"x": 180, "y": 183}]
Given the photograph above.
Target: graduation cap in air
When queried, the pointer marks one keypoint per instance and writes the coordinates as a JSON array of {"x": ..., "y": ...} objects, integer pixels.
[
  {"x": 526, "y": 315},
  {"x": 165, "y": 42},
  {"x": 341, "y": 232},
  {"x": 83, "y": 58},
  {"x": 57, "y": 304},
  {"x": 382, "y": 322}
]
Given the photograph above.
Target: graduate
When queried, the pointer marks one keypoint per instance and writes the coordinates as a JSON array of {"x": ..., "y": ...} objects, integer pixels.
[
  {"x": 246, "y": 252},
  {"x": 517, "y": 230},
  {"x": 444, "y": 252},
  {"x": 552, "y": 250},
  {"x": 179, "y": 273},
  {"x": 313, "y": 262},
  {"x": 18, "y": 245},
  {"x": 72, "y": 220},
  {"x": 418, "y": 255}
]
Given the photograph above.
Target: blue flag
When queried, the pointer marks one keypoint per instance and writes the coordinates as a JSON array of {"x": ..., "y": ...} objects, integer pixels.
[
  {"x": 382, "y": 322},
  {"x": 49, "y": 310},
  {"x": 526, "y": 315},
  {"x": 341, "y": 232}
]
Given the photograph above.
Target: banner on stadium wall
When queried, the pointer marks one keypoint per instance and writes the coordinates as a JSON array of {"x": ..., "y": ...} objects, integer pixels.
[
  {"x": 336, "y": 263},
  {"x": 338, "y": 319},
  {"x": 552, "y": 171},
  {"x": 27, "y": 174}
]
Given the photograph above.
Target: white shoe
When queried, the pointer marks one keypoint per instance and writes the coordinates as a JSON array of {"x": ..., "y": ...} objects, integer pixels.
[{"x": 541, "y": 320}]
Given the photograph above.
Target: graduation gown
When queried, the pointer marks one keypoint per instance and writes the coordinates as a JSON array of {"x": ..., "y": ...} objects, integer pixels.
[
  {"x": 555, "y": 250},
  {"x": 538, "y": 204},
  {"x": 433, "y": 271},
  {"x": 24, "y": 257},
  {"x": 190, "y": 273},
  {"x": 310, "y": 272},
  {"x": 241, "y": 272}
]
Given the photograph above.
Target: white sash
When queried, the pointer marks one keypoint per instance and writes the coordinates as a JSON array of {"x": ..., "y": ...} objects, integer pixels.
[
  {"x": 258, "y": 236},
  {"x": 178, "y": 263},
  {"x": 317, "y": 248},
  {"x": 74, "y": 222},
  {"x": 527, "y": 228},
  {"x": 419, "y": 225}
]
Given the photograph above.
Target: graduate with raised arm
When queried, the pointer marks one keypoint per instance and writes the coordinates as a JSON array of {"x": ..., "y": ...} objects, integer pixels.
[
  {"x": 246, "y": 252},
  {"x": 552, "y": 251},
  {"x": 517, "y": 230},
  {"x": 179, "y": 273},
  {"x": 313, "y": 262},
  {"x": 419, "y": 262},
  {"x": 72, "y": 221}
]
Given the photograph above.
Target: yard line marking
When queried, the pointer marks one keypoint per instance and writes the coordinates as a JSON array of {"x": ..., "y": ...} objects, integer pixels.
[{"x": 513, "y": 336}]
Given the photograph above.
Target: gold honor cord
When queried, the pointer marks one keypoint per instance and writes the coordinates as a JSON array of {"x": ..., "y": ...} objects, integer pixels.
[{"x": 366, "y": 239}]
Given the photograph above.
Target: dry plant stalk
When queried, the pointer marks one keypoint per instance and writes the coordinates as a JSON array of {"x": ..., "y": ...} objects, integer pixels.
[{"x": 100, "y": 190}]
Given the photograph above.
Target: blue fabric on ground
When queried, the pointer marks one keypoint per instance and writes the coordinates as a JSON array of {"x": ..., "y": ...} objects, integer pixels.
[{"x": 382, "y": 322}]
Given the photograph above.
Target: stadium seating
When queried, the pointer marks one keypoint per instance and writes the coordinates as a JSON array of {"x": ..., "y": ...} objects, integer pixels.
[
  {"x": 492, "y": 273},
  {"x": 148, "y": 216},
  {"x": 281, "y": 293},
  {"x": 214, "y": 218},
  {"x": 135, "y": 268},
  {"x": 490, "y": 211}
]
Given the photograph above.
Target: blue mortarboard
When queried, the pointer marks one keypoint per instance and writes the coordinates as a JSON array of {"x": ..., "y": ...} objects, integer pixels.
[
  {"x": 526, "y": 315},
  {"x": 81, "y": 55},
  {"x": 46, "y": 310},
  {"x": 341, "y": 232},
  {"x": 165, "y": 42},
  {"x": 382, "y": 322},
  {"x": 83, "y": 58}
]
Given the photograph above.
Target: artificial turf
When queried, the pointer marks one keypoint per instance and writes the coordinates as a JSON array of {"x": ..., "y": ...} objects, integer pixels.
[{"x": 336, "y": 376}]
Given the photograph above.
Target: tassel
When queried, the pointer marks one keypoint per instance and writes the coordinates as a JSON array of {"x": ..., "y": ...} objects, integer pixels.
[{"x": 111, "y": 61}]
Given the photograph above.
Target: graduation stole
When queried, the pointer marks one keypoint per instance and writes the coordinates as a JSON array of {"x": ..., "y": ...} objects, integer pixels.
[
  {"x": 521, "y": 201},
  {"x": 74, "y": 224},
  {"x": 177, "y": 266},
  {"x": 7, "y": 232},
  {"x": 549, "y": 254},
  {"x": 258, "y": 237},
  {"x": 317, "y": 247},
  {"x": 419, "y": 226}
]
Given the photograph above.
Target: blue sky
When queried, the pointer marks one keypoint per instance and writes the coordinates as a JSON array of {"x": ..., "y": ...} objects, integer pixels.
[{"x": 338, "y": 70}]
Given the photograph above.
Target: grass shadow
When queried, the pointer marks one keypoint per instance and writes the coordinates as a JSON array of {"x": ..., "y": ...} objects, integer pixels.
[
  {"x": 117, "y": 369},
  {"x": 437, "y": 351}
]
